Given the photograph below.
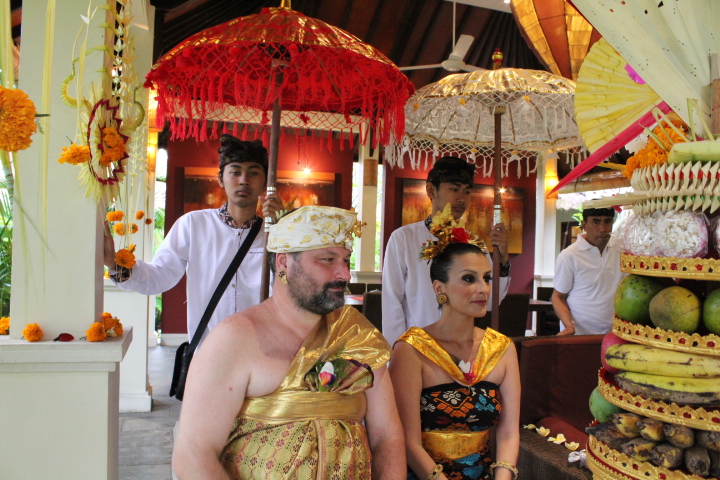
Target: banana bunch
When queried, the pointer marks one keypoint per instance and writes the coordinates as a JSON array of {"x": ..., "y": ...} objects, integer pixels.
[
  {"x": 666, "y": 445},
  {"x": 683, "y": 391},
  {"x": 666, "y": 375},
  {"x": 633, "y": 357}
]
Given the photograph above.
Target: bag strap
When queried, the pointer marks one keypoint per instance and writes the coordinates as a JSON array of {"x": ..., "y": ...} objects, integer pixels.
[{"x": 224, "y": 283}]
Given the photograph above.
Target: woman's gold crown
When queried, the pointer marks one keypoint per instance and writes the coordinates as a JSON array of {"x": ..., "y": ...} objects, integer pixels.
[{"x": 448, "y": 230}]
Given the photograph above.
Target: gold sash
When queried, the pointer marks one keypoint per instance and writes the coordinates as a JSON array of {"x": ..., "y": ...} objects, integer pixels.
[
  {"x": 491, "y": 350},
  {"x": 301, "y": 406},
  {"x": 444, "y": 445}
]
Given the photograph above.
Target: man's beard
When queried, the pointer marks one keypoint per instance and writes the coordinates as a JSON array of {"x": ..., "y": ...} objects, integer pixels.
[{"x": 308, "y": 296}]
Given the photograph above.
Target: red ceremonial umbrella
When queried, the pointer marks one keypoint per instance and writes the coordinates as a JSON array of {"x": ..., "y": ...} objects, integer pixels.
[{"x": 278, "y": 63}]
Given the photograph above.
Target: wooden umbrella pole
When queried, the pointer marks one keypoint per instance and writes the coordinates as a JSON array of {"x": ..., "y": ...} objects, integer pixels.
[
  {"x": 497, "y": 218},
  {"x": 271, "y": 180}
]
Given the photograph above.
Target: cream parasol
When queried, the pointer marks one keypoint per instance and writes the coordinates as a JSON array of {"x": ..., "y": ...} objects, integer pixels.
[{"x": 492, "y": 119}]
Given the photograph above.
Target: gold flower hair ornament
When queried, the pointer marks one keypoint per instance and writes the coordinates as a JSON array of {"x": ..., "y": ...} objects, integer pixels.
[{"x": 448, "y": 230}]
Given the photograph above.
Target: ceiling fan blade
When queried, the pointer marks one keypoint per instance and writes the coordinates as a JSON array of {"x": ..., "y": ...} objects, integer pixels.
[
  {"x": 461, "y": 47},
  {"x": 420, "y": 67},
  {"x": 472, "y": 68}
]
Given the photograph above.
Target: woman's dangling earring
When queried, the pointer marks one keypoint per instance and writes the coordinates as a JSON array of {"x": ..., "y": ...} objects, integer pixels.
[
  {"x": 283, "y": 277},
  {"x": 441, "y": 298}
]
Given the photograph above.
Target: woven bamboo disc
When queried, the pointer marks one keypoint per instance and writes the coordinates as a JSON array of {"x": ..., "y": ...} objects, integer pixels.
[{"x": 607, "y": 99}]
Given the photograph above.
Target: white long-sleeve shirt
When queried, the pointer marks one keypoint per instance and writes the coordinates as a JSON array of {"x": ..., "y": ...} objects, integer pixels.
[
  {"x": 202, "y": 245},
  {"x": 408, "y": 299}
]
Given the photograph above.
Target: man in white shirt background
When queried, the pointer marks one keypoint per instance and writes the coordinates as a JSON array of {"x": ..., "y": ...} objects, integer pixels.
[
  {"x": 202, "y": 243},
  {"x": 587, "y": 274},
  {"x": 408, "y": 299}
]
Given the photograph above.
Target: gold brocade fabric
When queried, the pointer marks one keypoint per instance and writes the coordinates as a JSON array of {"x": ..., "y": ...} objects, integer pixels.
[
  {"x": 491, "y": 350},
  {"x": 443, "y": 445},
  {"x": 294, "y": 433}
]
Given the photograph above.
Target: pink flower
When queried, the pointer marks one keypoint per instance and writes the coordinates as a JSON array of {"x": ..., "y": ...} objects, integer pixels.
[{"x": 327, "y": 374}]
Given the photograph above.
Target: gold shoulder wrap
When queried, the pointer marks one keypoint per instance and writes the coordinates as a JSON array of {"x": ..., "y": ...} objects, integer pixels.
[
  {"x": 491, "y": 350},
  {"x": 301, "y": 406}
]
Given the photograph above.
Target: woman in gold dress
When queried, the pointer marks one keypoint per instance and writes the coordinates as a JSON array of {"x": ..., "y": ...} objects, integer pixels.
[{"x": 453, "y": 381}]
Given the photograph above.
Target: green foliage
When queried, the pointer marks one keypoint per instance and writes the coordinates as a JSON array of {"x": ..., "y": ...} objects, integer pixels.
[{"x": 5, "y": 249}]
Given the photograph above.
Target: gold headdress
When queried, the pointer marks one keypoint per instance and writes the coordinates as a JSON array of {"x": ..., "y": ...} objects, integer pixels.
[
  {"x": 313, "y": 227},
  {"x": 448, "y": 230}
]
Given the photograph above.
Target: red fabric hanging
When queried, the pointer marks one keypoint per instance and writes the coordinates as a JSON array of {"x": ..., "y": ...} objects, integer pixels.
[{"x": 330, "y": 79}]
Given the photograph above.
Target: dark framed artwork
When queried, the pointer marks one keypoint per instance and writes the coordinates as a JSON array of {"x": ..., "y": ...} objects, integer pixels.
[
  {"x": 201, "y": 189},
  {"x": 416, "y": 207}
]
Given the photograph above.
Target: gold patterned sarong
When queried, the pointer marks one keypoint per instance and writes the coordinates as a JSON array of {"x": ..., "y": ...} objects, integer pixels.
[{"x": 302, "y": 434}]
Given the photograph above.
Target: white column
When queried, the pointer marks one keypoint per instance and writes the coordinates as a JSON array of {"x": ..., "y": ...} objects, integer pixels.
[
  {"x": 59, "y": 401},
  {"x": 545, "y": 224},
  {"x": 367, "y": 212}
]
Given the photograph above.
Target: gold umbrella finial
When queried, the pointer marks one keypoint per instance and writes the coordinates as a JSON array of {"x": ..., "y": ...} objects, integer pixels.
[
  {"x": 497, "y": 58},
  {"x": 285, "y": 4}
]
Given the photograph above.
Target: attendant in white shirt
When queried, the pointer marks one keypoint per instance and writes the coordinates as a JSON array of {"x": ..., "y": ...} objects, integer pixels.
[
  {"x": 202, "y": 243},
  {"x": 587, "y": 274},
  {"x": 408, "y": 299}
]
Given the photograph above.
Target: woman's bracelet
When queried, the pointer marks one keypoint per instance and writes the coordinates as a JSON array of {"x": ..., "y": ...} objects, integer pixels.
[
  {"x": 507, "y": 465},
  {"x": 435, "y": 473}
]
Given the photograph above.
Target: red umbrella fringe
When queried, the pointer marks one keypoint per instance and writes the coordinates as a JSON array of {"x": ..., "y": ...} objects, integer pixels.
[{"x": 204, "y": 79}]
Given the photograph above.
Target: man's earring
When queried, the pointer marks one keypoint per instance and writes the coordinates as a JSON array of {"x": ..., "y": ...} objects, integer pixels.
[
  {"x": 283, "y": 277},
  {"x": 441, "y": 298}
]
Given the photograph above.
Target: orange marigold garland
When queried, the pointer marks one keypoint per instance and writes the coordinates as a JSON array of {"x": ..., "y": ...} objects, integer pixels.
[
  {"x": 115, "y": 216},
  {"x": 17, "y": 119},
  {"x": 148, "y": 221},
  {"x": 653, "y": 153},
  {"x": 139, "y": 215},
  {"x": 113, "y": 147},
  {"x": 133, "y": 228},
  {"x": 119, "y": 229},
  {"x": 4, "y": 325},
  {"x": 75, "y": 154},
  {"x": 125, "y": 257},
  {"x": 32, "y": 332},
  {"x": 96, "y": 332}
]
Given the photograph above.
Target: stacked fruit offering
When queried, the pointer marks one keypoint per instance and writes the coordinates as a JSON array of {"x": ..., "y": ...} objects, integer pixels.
[
  {"x": 666, "y": 445},
  {"x": 659, "y": 394}
]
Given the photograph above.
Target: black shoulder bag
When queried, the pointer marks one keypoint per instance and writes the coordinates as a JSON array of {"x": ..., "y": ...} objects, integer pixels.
[{"x": 185, "y": 352}]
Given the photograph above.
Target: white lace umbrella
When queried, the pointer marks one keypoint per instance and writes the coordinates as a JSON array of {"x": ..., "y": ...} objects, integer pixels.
[
  {"x": 457, "y": 116},
  {"x": 454, "y": 116}
]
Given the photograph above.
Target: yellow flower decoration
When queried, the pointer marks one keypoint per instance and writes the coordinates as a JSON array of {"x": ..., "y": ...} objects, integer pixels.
[
  {"x": 119, "y": 229},
  {"x": 115, "y": 216},
  {"x": 529, "y": 426},
  {"x": 32, "y": 332},
  {"x": 572, "y": 446},
  {"x": 558, "y": 440},
  {"x": 125, "y": 257},
  {"x": 542, "y": 431},
  {"x": 448, "y": 230},
  {"x": 139, "y": 215},
  {"x": 4, "y": 325},
  {"x": 114, "y": 147},
  {"x": 75, "y": 154},
  {"x": 96, "y": 332},
  {"x": 17, "y": 119}
]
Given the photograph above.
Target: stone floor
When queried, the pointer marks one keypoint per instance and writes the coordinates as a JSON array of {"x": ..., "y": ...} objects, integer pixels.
[{"x": 146, "y": 439}]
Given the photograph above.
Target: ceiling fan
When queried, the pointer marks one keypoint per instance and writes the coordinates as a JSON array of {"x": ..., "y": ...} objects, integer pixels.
[{"x": 454, "y": 62}]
